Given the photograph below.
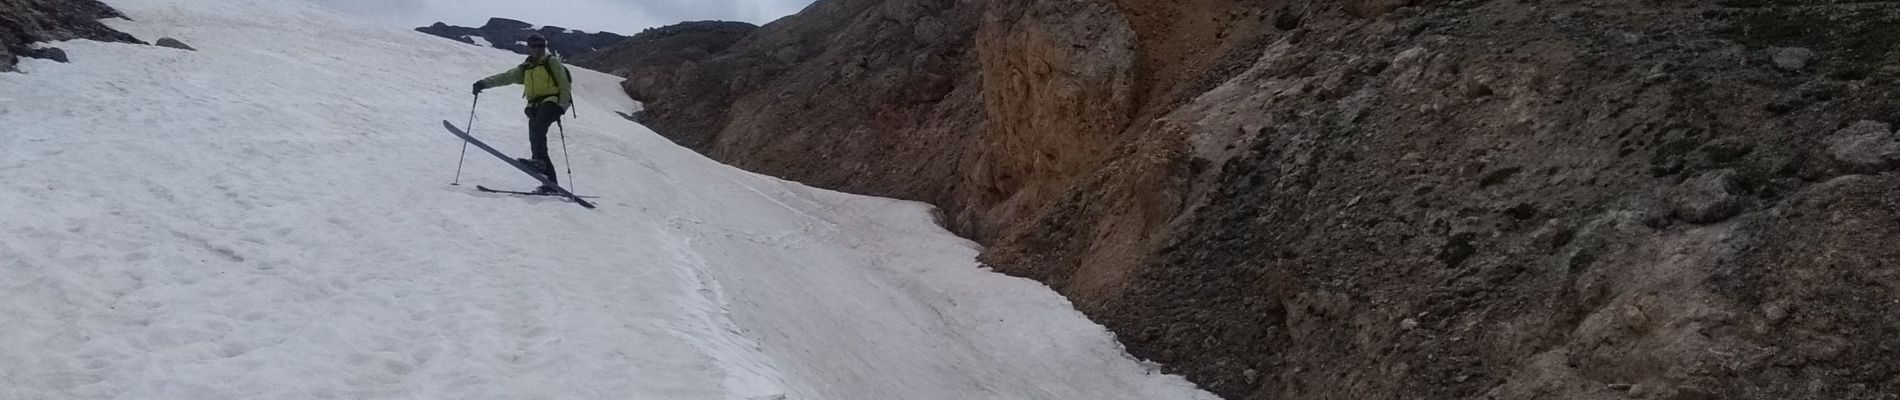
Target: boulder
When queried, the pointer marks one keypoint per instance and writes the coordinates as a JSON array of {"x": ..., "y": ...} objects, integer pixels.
[
  {"x": 1707, "y": 198},
  {"x": 1792, "y": 59},
  {"x": 1866, "y": 147},
  {"x": 45, "y": 53}
]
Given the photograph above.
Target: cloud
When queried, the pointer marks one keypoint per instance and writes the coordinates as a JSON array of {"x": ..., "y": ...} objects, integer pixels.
[{"x": 620, "y": 16}]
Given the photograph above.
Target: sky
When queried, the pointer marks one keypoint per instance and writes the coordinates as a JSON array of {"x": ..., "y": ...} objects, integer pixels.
[{"x": 619, "y": 16}]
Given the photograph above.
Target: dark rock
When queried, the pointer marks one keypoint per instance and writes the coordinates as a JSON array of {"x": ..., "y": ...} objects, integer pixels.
[
  {"x": 1522, "y": 211},
  {"x": 23, "y": 22},
  {"x": 1458, "y": 249},
  {"x": 173, "y": 43},
  {"x": 1707, "y": 198},
  {"x": 1288, "y": 18},
  {"x": 45, "y": 53},
  {"x": 508, "y": 34},
  {"x": 504, "y": 24}
]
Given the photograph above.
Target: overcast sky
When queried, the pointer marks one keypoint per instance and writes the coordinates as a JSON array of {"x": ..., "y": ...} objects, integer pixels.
[{"x": 620, "y": 16}]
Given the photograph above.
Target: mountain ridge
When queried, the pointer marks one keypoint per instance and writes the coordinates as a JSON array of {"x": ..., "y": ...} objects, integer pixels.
[{"x": 508, "y": 34}]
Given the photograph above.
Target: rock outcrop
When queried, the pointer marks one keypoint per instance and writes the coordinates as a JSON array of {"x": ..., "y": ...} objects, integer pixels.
[
  {"x": 1374, "y": 198},
  {"x": 507, "y": 34},
  {"x": 669, "y": 59},
  {"x": 669, "y": 46},
  {"x": 25, "y": 22}
]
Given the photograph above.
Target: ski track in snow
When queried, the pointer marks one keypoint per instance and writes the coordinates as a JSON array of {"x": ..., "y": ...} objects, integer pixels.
[{"x": 270, "y": 218}]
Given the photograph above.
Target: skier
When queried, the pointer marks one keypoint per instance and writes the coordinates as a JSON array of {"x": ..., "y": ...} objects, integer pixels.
[{"x": 546, "y": 85}]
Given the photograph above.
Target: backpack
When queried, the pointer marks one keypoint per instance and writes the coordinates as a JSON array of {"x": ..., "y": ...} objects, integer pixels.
[{"x": 529, "y": 64}]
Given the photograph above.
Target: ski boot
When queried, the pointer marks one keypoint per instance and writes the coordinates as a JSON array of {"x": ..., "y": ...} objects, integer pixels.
[{"x": 546, "y": 170}]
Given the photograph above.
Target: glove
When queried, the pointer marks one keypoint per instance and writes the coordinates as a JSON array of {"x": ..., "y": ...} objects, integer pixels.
[{"x": 478, "y": 87}]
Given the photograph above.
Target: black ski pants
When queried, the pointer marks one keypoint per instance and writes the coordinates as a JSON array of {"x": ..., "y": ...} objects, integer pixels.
[{"x": 540, "y": 116}]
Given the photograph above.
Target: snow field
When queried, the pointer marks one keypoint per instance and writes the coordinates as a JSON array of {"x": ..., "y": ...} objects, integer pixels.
[{"x": 270, "y": 218}]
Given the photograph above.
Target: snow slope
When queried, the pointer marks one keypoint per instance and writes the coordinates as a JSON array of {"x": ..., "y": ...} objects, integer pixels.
[{"x": 271, "y": 218}]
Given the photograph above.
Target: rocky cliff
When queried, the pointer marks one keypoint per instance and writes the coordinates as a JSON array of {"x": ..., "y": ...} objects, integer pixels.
[
  {"x": 1376, "y": 199},
  {"x": 866, "y": 96},
  {"x": 507, "y": 34},
  {"x": 25, "y": 22}
]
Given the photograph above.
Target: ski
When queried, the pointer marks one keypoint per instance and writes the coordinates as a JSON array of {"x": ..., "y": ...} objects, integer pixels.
[
  {"x": 511, "y": 161},
  {"x": 523, "y": 193}
]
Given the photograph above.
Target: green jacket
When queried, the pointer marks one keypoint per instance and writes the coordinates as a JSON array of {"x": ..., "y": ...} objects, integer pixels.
[{"x": 541, "y": 80}]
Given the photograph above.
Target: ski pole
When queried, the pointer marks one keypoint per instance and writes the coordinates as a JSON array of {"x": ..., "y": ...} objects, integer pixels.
[
  {"x": 571, "y": 186},
  {"x": 470, "y": 127}
]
